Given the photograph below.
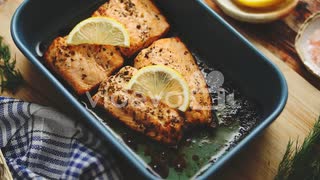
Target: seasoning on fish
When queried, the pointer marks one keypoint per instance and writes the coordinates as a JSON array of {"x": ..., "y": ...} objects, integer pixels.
[
  {"x": 173, "y": 53},
  {"x": 83, "y": 67},
  {"x": 154, "y": 119},
  {"x": 142, "y": 19}
]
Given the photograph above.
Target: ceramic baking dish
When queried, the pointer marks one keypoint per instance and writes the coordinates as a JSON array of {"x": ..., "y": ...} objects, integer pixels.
[{"x": 37, "y": 22}]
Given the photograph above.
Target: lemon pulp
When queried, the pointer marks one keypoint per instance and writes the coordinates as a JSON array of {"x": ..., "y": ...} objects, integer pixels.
[
  {"x": 258, "y": 3},
  {"x": 162, "y": 83},
  {"x": 101, "y": 31}
]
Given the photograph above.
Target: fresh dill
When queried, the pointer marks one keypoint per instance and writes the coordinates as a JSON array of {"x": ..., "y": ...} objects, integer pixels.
[
  {"x": 302, "y": 163},
  {"x": 10, "y": 78}
]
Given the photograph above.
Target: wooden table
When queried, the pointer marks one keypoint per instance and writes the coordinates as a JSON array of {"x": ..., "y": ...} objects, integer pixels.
[
  {"x": 4, "y": 170},
  {"x": 278, "y": 37},
  {"x": 260, "y": 160}
]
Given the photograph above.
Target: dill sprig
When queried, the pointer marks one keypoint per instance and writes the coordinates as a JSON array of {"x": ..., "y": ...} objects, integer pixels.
[
  {"x": 10, "y": 78},
  {"x": 302, "y": 163}
]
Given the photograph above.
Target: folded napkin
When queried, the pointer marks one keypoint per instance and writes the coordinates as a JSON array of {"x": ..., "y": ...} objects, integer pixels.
[{"x": 41, "y": 143}]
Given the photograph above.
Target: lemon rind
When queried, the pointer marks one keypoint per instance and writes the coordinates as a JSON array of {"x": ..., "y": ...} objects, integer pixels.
[{"x": 175, "y": 75}]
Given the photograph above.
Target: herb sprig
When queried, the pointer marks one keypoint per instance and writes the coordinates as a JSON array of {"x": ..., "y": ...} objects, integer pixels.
[
  {"x": 302, "y": 163},
  {"x": 10, "y": 78}
]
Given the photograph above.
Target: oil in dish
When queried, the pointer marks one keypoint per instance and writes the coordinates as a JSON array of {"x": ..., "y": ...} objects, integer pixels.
[
  {"x": 156, "y": 127},
  {"x": 86, "y": 66}
]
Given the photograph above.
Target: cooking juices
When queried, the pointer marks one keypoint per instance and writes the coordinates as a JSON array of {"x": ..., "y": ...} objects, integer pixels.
[
  {"x": 235, "y": 114},
  {"x": 233, "y": 111}
]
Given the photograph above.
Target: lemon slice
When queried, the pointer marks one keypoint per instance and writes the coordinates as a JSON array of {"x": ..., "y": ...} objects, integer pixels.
[
  {"x": 259, "y": 3},
  {"x": 101, "y": 31},
  {"x": 162, "y": 83}
]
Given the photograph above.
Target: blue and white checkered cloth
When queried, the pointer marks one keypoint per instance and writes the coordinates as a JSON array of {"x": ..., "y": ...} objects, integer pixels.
[{"x": 41, "y": 143}]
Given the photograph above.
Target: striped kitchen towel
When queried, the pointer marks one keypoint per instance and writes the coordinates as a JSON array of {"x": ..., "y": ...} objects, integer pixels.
[{"x": 40, "y": 143}]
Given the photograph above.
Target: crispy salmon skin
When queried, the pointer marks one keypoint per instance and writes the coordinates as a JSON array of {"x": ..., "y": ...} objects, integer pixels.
[{"x": 141, "y": 18}]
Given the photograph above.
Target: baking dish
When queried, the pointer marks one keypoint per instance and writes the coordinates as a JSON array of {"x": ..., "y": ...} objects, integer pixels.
[{"x": 39, "y": 21}]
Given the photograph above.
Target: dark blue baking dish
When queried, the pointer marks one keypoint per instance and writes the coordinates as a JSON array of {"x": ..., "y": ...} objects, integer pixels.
[{"x": 36, "y": 21}]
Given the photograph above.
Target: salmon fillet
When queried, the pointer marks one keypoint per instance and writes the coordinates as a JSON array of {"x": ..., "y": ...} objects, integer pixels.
[
  {"x": 141, "y": 18},
  {"x": 156, "y": 120},
  {"x": 83, "y": 67},
  {"x": 173, "y": 53}
]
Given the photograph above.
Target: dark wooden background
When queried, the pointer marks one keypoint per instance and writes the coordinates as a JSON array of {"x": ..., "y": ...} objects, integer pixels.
[{"x": 279, "y": 36}]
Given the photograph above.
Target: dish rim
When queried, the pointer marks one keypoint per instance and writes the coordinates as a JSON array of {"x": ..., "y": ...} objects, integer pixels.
[
  {"x": 266, "y": 17},
  {"x": 115, "y": 141}
]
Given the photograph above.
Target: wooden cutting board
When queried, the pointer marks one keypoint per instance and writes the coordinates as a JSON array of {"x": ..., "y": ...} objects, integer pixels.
[
  {"x": 4, "y": 170},
  {"x": 259, "y": 161}
]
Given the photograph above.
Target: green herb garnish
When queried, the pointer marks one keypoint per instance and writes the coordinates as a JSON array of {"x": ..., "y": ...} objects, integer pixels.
[
  {"x": 10, "y": 78},
  {"x": 304, "y": 163}
]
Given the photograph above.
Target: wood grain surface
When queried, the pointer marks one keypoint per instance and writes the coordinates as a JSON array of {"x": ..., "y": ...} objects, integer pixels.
[
  {"x": 259, "y": 160},
  {"x": 4, "y": 170},
  {"x": 278, "y": 37},
  {"x": 36, "y": 88}
]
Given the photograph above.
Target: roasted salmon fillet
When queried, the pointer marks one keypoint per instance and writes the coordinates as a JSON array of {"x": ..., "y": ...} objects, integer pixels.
[
  {"x": 156, "y": 120},
  {"x": 83, "y": 67},
  {"x": 141, "y": 18},
  {"x": 173, "y": 53}
]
